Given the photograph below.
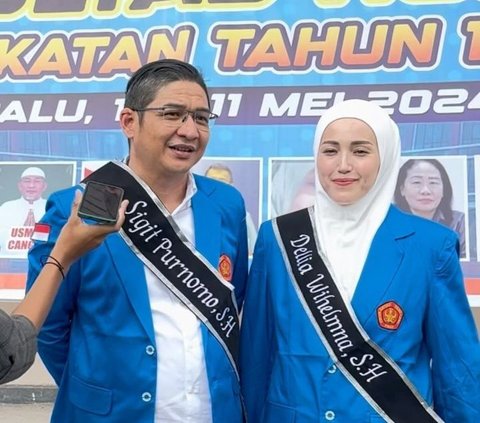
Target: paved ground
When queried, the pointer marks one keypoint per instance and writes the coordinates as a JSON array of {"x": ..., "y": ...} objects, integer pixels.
[{"x": 25, "y": 413}]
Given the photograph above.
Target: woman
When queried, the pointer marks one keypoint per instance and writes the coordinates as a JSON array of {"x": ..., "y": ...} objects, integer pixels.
[
  {"x": 424, "y": 189},
  {"x": 349, "y": 304},
  {"x": 18, "y": 332}
]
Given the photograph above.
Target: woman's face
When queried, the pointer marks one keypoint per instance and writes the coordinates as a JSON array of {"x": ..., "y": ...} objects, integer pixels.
[
  {"x": 423, "y": 189},
  {"x": 347, "y": 160}
]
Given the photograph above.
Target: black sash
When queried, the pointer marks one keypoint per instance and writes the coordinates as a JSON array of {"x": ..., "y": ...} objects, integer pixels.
[
  {"x": 164, "y": 249},
  {"x": 373, "y": 373}
]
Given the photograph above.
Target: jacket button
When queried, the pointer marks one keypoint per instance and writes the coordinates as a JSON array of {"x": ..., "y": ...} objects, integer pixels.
[
  {"x": 330, "y": 415},
  {"x": 150, "y": 350},
  {"x": 332, "y": 369},
  {"x": 146, "y": 397}
]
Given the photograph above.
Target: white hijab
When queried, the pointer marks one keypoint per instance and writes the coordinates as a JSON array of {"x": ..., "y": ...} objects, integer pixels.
[{"x": 345, "y": 233}]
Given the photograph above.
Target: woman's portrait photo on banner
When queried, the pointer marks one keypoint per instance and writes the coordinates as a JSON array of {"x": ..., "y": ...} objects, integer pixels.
[
  {"x": 24, "y": 189},
  {"x": 291, "y": 183},
  {"x": 436, "y": 188}
]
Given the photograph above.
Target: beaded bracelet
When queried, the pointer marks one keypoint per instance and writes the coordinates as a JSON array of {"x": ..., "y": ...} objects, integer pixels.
[{"x": 44, "y": 260}]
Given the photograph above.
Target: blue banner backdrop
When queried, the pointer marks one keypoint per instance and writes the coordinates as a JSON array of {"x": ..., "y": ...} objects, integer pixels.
[{"x": 273, "y": 67}]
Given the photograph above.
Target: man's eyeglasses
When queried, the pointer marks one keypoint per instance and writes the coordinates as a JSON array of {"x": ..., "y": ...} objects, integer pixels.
[{"x": 177, "y": 115}]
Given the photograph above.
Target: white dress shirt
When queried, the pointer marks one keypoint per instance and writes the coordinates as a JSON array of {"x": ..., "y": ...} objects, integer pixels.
[{"x": 183, "y": 393}]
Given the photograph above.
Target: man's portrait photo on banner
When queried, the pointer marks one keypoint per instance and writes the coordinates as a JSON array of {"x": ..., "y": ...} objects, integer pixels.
[
  {"x": 24, "y": 189},
  {"x": 291, "y": 184},
  {"x": 246, "y": 176},
  {"x": 436, "y": 188}
]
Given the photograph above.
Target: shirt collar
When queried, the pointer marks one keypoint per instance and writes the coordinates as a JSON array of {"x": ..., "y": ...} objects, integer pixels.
[{"x": 191, "y": 191}]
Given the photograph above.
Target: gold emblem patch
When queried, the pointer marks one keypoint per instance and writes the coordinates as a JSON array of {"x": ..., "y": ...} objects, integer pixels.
[
  {"x": 225, "y": 267},
  {"x": 389, "y": 315}
]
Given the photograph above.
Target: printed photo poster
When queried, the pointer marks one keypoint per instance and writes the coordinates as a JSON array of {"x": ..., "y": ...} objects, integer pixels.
[
  {"x": 24, "y": 189},
  {"x": 435, "y": 187},
  {"x": 245, "y": 174},
  {"x": 291, "y": 184}
]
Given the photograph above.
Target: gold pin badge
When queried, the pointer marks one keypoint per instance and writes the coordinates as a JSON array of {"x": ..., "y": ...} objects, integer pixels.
[
  {"x": 389, "y": 315},
  {"x": 225, "y": 267}
]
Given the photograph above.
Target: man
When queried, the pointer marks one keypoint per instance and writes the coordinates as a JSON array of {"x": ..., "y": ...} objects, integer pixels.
[
  {"x": 145, "y": 329},
  {"x": 18, "y": 216},
  {"x": 223, "y": 173}
]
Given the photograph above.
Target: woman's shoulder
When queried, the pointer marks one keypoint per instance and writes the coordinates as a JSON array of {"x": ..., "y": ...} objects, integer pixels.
[
  {"x": 430, "y": 241},
  {"x": 424, "y": 227}
]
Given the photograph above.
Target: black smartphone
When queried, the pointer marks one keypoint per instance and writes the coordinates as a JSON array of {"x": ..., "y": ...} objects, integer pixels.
[{"x": 100, "y": 202}]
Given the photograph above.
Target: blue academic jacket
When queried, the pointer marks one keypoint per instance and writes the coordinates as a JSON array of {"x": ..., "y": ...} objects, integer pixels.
[
  {"x": 98, "y": 342},
  {"x": 287, "y": 374}
]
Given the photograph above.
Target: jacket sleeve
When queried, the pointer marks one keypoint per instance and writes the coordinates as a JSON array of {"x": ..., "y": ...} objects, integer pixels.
[
  {"x": 54, "y": 337},
  {"x": 256, "y": 339},
  {"x": 18, "y": 346},
  {"x": 453, "y": 342}
]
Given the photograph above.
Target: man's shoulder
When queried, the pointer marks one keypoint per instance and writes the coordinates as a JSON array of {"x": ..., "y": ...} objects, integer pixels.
[
  {"x": 64, "y": 194},
  {"x": 212, "y": 187},
  {"x": 62, "y": 199},
  {"x": 219, "y": 196}
]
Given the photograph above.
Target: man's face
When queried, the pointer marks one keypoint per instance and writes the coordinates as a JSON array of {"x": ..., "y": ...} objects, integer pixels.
[
  {"x": 158, "y": 148},
  {"x": 32, "y": 187}
]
